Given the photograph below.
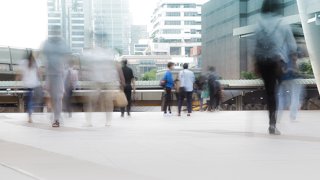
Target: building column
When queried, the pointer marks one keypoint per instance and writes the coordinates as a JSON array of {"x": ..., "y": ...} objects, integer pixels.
[{"x": 312, "y": 34}]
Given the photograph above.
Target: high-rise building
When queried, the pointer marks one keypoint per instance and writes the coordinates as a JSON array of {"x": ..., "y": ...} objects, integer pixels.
[
  {"x": 72, "y": 18},
  {"x": 112, "y": 24},
  {"x": 176, "y": 27},
  {"x": 220, "y": 48},
  {"x": 138, "y": 32}
]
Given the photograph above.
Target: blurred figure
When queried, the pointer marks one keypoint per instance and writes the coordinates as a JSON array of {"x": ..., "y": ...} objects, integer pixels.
[
  {"x": 56, "y": 52},
  {"x": 290, "y": 92},
  {"x": 214, "y": 89},
  {"x": 187, "y": 80},
  {"x": 274, "y": 43},
  {"x": 105, "y": 76},
  {"x": 199, "y": 89},
  {"x": 168, "y": 85},
  {"x": 128, "y": 87},
  {"x": 70, "y": 84},
  {"x": 29, "y": 74}
]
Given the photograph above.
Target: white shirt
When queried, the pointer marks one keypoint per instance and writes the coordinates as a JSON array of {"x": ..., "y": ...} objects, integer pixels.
[
  {"x": 187, "y": 79},
  {"x": 30, "y": 77}
]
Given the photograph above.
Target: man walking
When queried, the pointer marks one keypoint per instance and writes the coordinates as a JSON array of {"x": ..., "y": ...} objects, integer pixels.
[
  {"x": 56, "y": 51},
  {"x": 128, "y": 87},
  {"x": 187, "y": 79}
]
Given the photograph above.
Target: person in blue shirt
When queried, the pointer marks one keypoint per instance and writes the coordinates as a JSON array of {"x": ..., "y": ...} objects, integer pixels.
[{"x": 169, "y": 84}]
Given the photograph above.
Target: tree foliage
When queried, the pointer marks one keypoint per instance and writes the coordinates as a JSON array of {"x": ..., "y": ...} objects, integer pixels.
[{"x": 150, "y": 76}]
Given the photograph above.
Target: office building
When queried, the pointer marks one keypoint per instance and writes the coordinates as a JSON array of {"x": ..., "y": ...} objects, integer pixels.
[
  {"x": 112, "y": 24},
  {"x": 176, "y": 27},
  {"x": 138, "y": 32},
  {"x": 231, "y": 54}
]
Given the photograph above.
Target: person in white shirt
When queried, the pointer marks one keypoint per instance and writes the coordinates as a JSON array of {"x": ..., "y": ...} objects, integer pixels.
[
  {"x": 29, "y": 75},
  {"x": 187, "y": 80}
]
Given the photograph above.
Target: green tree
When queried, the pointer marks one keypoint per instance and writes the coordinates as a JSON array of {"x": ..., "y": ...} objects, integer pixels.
[
  {"x": 248, "y": 75},
  {"x": 150, "y": 76},
  {"x": 306, "y": 68}
]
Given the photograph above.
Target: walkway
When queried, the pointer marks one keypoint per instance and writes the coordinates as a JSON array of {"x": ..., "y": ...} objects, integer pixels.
[{"x": 206, "y": 146}]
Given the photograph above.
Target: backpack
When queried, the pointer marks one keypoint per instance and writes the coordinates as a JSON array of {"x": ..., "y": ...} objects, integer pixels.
[{"x": 266, "y": 44}]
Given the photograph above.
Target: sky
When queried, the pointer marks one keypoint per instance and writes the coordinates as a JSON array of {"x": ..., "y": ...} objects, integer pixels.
[{"x": 23, "y": 23}]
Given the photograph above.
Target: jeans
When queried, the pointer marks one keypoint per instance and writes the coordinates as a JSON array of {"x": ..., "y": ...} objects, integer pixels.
[
  {"x": 168, "y": 100},
  {"x": 182, "y": 96},
  {"x": 127, "y": 92}
]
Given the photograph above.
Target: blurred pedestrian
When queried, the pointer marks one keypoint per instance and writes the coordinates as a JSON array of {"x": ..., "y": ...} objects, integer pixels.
[
  {"x": 168, "y": 84},
  {"x": 128, "y": 87},
  {"x": 70, "y": 84},
  {"x": 274, "y": 44},
  {"x": 105, "y": 77},
  {"x": 187, "y": 80},
  {"x": 214, "y": 88},
  {"x": 30, "y": 76},
  {"x": 290, "y": 91},
  {"x": 56, "y": 52},
  {"x": 199, "y": 89}
]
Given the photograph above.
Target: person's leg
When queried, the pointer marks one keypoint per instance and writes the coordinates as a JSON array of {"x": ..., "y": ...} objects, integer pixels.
[
  {"x": 189, "y": 102},
  {"x": 108, "y": 105},
  {"x": 29, "y": 104},
  {"x": 128, "y": 93},
  {"x": 169, "y": 100},
  {"x": 296, "y": 93},
  {"x": 211, "y": 101},
  {"x": 180, "y": 102},
  {"x": 56, "y": 92},
  {"x": 269, "y": 75}
]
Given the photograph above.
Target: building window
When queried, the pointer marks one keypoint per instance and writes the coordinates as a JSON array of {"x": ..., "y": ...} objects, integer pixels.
[
  {"x": 175, "y": 50},
  {"x": 173, "y": 5},
  {"x": 53, "y": 15},
  {"x": 78, "y": 27},
  {"x": 170, "y": 40},
  {"x": 172, "y": 23},
  {"x": 173, "y": 14},
  {"x": 172, "y": 31},
  {"x": 189, "y": 14},
  {"x": 189, "y": 6},
  {"x": 78, "y": 21},
  {"x": 77, "y": 15},
  {"x": 77, "y": 45},
  {"x": 192, "y": 23},
  {"x": 54, "y": 27},
  {"x": 53, "y": 21},
  {"x": 77, "y": 39},
  {"x": 78, "y": 33}
]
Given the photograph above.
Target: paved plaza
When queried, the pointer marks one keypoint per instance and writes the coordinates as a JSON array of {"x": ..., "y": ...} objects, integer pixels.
[{"x": 148, "y": 146}]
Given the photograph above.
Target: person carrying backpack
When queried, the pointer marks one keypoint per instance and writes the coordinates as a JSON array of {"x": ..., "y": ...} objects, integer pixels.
[
  {"x": 168, "y": 83},
  {"x": 274, "y": 44}
]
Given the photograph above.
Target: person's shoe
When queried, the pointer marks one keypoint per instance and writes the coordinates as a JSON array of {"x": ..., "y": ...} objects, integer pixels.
[
  {"x": 129, "y": 114},
  {"x": 122, "y": 115},
  {"x": 179, "y": 114},
  {"x": 274, "y": 131},
  {"x": 30, "y": 120},
  {"x": 56, "y": 124},
  {"x": 189, "y": 114}
]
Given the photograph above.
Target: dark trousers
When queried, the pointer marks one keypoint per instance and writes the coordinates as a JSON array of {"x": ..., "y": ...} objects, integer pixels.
[
  {"x": 270, "y": 72},
  {"x": 68, "y": 100},
  {"x": 168, "y": 100},
  {"x": 214, "y": 100},
  {"x": 127, "y": 92},
  {"x": 29, "y": 100},
  {"x": 182, "y": 96}
]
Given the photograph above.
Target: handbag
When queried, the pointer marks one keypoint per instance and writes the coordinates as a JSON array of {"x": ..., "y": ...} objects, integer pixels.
[{"x": 120, "y": 99}]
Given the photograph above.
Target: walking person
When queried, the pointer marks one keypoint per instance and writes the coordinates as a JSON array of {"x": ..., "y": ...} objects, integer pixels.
[
  {"x": 214, "y": 89},
  {"x": 274, "y": 44},
  {"x": 71, "y": 83},
  {"x": 187, "y": 80},
  {"x": 56, "y": 52},
  {"x": 128, "y": 87},
  {"x": 29, "y": 75},
  {"x": 168, "y": 84}
]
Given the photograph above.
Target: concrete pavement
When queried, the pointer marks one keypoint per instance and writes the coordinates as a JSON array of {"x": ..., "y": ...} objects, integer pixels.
[{"x": 222, "y": 146}]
